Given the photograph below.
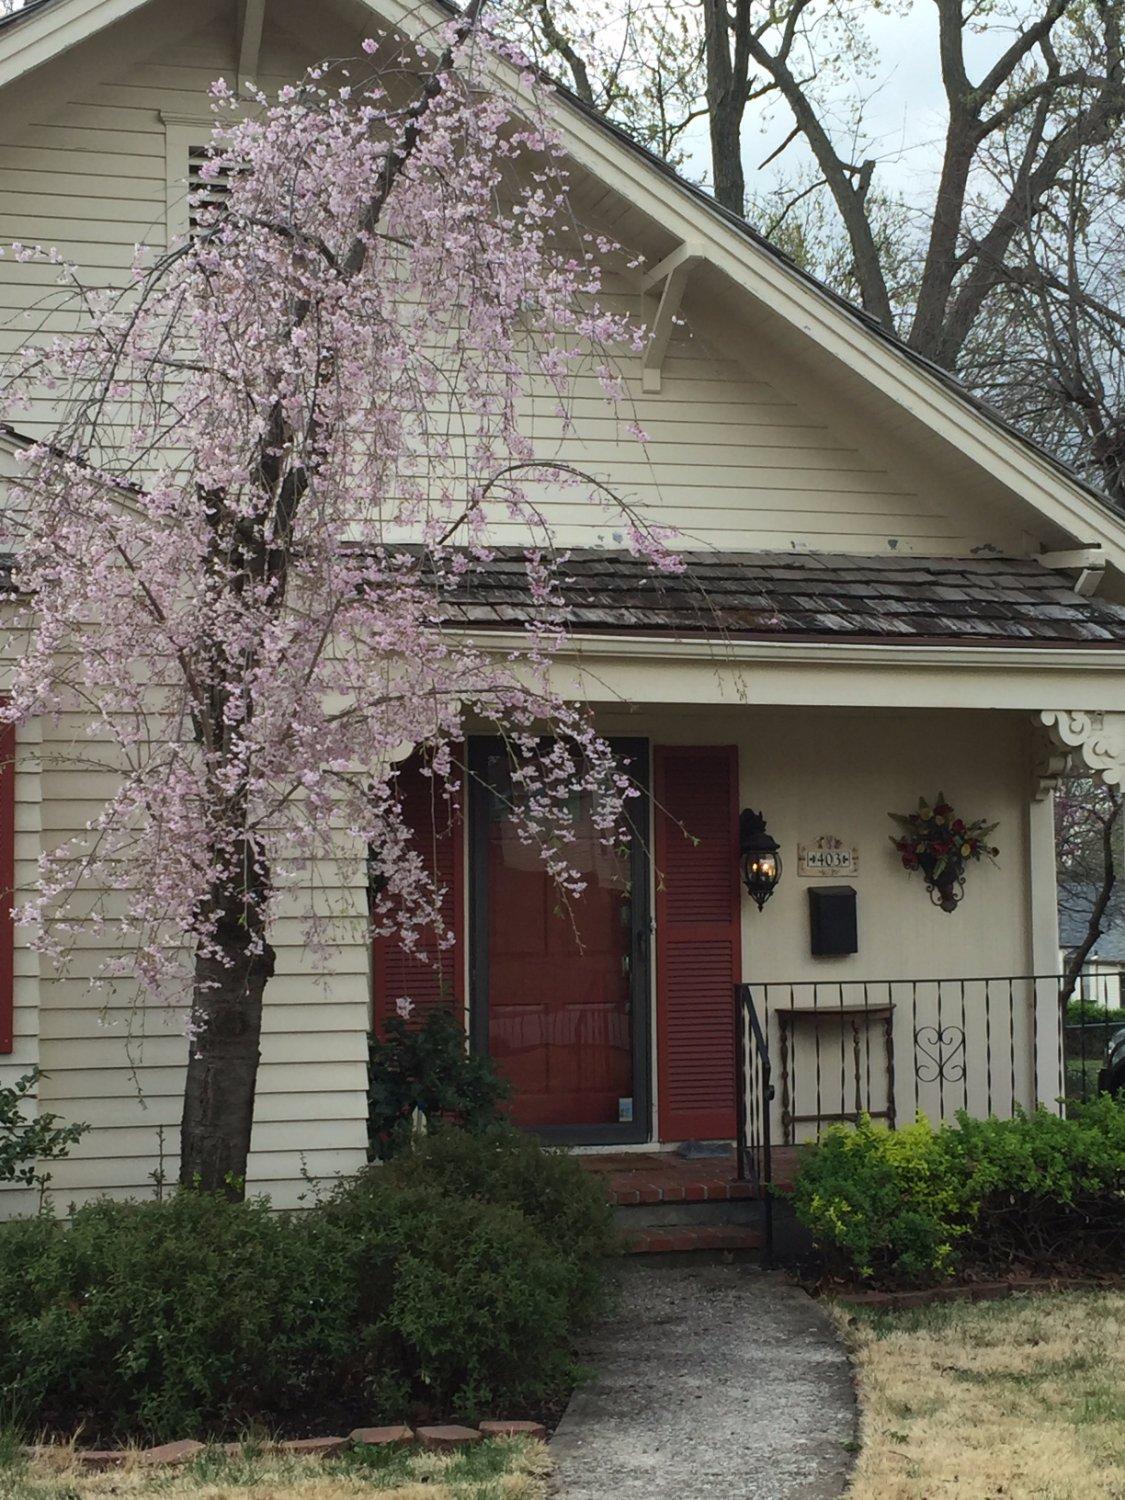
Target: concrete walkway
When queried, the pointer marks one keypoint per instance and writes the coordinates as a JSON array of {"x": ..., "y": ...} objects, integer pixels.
[{"x": 713, "y": 1383}]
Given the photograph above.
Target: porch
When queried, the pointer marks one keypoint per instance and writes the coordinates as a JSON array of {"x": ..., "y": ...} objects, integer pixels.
[
  {"x": 611, "y": 1014},
  {"x": 613, "y": 1018},
  {"x": 814, "y": 1054}
]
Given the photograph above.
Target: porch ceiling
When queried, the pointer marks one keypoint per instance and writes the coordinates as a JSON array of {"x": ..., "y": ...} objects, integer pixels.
[{"x": 808, "y": 596}]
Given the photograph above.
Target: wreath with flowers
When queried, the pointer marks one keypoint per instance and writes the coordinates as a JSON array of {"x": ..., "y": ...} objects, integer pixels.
[{"x": 940, "y": 844}]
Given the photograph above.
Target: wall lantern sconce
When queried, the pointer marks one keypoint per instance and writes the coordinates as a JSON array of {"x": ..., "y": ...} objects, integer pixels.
[{"x": 759, "y": 855}]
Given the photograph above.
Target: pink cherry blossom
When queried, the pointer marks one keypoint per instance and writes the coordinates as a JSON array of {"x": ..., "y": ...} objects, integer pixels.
[{"x": 210, "y": 546}]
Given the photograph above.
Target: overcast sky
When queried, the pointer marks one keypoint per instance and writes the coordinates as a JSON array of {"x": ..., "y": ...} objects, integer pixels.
[{"x": 905, "y": 110}]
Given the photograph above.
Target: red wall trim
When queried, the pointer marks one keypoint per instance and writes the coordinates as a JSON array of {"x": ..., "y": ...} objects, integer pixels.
[
  {"x": 698, "y": 943},
  {"x": 7, "y": 885}
]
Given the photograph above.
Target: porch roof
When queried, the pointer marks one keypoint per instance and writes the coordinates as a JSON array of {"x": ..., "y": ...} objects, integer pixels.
[{"x": 968, "y": 600}]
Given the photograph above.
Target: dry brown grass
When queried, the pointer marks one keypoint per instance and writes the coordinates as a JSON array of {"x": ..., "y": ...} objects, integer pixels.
[
  {"x": 500, "y": 1470},
  {"x": 1010, "y": 1399}
]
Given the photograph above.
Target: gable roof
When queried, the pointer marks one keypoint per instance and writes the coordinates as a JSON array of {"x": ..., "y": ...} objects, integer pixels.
[
  {"x": 42, "y": 29},
  {"x": 922, "y": 391}
]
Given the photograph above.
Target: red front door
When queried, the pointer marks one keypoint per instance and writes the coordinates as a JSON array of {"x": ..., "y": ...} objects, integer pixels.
[{"x": 558, "y": 972}]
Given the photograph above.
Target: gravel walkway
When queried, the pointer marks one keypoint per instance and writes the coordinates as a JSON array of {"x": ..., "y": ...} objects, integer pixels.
[{"x": 713, "y": 1383}]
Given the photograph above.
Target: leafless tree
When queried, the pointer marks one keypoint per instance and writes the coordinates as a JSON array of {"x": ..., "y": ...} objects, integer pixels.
[
  {"x": 1049, "y": 348},
  {"x": 1087, "y": 834},
  {"x": 638, "y": 61},
  {"x": 1007, "y": 271}
]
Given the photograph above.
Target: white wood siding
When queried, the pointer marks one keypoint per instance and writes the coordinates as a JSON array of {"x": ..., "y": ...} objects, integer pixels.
[
  {"x": 733, "y": 460},
  {"x": 87, "y": 172},
  {"x": 119, "y": 1066},
  {"x": 26, "y": 1053}
]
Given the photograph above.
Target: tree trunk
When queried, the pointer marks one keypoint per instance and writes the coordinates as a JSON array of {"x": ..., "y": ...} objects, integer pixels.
[
  {"x": 928, "y": 332},
  {"x": 1094, "y": 929},
  {"x": 234, "y": 961},
  {"x": 224, "y": 1052},
  {"x": 726, "y": 102},
  {"x": 726, "y": 154}
]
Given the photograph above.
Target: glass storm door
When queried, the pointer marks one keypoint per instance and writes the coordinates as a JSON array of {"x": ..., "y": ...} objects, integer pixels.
[{"x": 560, "y": 982}]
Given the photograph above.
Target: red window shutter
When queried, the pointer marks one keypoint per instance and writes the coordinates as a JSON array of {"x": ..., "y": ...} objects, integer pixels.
[
  {"x": 7, "y": 885},
  {"x": 697, "y": 939},
  {"x": 437, "y": 978}
]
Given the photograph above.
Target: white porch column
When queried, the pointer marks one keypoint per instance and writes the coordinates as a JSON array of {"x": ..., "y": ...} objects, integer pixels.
[{"x": 1044, "y": 928}]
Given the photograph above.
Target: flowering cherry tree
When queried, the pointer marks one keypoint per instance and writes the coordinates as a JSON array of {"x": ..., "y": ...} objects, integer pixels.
[{"x": 270, "y": 457}]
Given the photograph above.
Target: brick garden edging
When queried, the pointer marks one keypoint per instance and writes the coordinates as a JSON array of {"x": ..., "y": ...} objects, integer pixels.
[{"x": 439, "y": 1439}]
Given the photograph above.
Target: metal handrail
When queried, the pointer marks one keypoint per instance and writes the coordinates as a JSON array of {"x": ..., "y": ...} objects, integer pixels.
[{"x": 754, "y": 1144}]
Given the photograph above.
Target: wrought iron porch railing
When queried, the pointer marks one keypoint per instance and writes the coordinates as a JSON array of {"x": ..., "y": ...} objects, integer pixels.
[
  {"x": 817, "y": 1052},
  {"x": 754, "y": 1099}
]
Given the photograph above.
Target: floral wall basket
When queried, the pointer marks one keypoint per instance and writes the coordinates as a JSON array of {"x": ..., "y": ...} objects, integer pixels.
[{"x": 940, "y": 844}]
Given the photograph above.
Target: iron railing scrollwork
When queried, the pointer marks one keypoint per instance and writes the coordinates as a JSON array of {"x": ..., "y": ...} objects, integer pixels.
[{"x": 939, "y": 1054}]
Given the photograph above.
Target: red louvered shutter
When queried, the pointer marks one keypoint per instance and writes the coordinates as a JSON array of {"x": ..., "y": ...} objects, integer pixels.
[
  {"x": 7, "y": 885},
  {"x": 437, "y": 981},
  {"x": 697, "y": 939}
]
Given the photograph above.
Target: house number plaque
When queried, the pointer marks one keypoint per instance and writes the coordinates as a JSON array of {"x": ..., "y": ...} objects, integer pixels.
[{"x": 828, "y": 856}]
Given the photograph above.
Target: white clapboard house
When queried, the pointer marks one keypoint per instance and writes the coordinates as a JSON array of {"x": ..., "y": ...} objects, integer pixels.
[{"x": 906, "y": 597}]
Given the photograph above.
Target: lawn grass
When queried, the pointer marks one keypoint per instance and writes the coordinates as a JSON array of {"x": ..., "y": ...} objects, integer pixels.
[
  {"x": 500, "y": 1469},
  {"x": 1024, "y": 1397}
]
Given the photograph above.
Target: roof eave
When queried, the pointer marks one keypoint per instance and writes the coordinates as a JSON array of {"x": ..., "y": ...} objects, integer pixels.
[{"x": 33, "y": 36}]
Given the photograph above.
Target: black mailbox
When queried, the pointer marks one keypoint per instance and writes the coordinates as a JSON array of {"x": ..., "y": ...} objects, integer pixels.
[{"x": 832, "y": 920}]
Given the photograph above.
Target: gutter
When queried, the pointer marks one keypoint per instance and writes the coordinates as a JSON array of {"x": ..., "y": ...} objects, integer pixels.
[{"x": 708, "y": 651}]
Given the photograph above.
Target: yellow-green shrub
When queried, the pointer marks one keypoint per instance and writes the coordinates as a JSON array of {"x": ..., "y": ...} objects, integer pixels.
[{"x": 920, "y": 1204}]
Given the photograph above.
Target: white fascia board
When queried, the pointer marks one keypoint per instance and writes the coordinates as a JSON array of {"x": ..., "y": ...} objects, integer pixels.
[
  {"x": 841, "y": 674},
  {"x": 28, "y": 44},
  {"x": 779, "y": 652},
  {"x": 891, "y": 371}
]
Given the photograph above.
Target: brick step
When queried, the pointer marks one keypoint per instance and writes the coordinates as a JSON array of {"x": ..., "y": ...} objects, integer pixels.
[
  {"x": 681, "y": 1239},
  {"x": 629, "y": 1188},
  {"x": 667, "y": 1177},
  {"x": 636, "y": 1216}
]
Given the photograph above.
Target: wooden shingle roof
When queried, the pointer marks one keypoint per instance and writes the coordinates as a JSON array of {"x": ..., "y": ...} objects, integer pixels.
[{"x": 981, "y": 599}]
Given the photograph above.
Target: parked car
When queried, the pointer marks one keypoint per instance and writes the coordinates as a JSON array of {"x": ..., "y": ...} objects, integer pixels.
[{"x": 1111, "y": 1079}]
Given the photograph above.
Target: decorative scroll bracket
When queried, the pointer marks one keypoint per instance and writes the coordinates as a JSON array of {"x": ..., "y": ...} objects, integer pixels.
[
  {"x": 1074, "y": 740},
  {"x": 671, "y": 275}
]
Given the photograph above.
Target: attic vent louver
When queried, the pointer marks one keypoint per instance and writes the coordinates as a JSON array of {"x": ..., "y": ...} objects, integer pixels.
[{"x": 203, "y": 191}]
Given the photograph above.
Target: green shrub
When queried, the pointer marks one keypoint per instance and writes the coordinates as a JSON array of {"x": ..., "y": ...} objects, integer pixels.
[
  {"x": 427, "y": 1066},
  {"x": 153, "y": 1317},
  {"x": 880, "y": 1201},
  {"x": 457, "y": 1303},
  {"x": 918, "y": 1204},
  {"x": 550, "y": 1188},
  {"x": 1089, "y": 1014},
  {"x": 438, "y": 1284},
  {"x": 1044, "y": 1191},
  {"x": 27, "y": 1141}
]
